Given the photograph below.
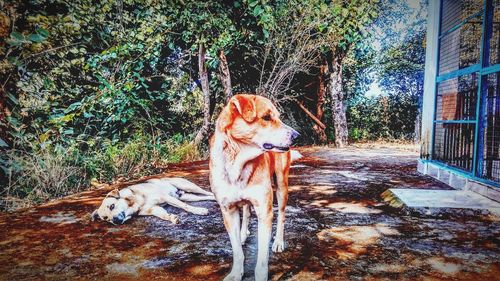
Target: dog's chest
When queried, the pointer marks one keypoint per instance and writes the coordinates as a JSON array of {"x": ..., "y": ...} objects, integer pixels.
[{"x": 241, "y": 191}]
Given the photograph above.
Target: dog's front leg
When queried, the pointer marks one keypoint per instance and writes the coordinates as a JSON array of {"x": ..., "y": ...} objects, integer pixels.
[
  {"x": 159, "y": 212},
  {"x": 232, "y": 223},
  {"x": 282, "y": 198},
  {"x": 264, "y": 212}
]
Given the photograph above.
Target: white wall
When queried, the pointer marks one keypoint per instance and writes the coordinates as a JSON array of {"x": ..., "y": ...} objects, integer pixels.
[{"x": 431, "y": 56}]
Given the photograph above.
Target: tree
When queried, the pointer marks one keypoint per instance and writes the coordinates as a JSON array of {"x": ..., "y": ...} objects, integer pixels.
[
  {"x": 348, "y": 21},
  {"x": 291, "y": 42},
  {"x": 208, "y": 28}
]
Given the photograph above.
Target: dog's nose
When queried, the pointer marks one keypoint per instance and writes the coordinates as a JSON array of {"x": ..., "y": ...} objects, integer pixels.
[
  {"x": 119, "y": 218},
  {"x": 294, "y": 135}
]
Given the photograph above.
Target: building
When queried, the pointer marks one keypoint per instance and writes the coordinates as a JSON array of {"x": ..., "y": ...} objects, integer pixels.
[{"x": 461, "y": 104}]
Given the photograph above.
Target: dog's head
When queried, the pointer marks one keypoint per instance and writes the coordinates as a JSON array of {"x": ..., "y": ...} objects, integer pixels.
[
  {"x": 113, "y": 209},
  {"x": 254, "y": 120}
]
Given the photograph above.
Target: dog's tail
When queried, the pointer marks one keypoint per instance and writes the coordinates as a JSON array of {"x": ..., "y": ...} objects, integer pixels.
[{"x": 295, "y": 155}]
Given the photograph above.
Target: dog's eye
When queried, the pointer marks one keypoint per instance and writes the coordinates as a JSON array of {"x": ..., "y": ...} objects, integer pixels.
[
  {"x": 105, "y": 218},
  {"x": 266, "y": 117},
  {"x": 111, "y": 207}
]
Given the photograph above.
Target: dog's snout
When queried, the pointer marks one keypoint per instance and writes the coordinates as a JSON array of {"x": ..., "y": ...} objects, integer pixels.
[
  {"x": 294, "y": 134},
  {"x": 119, "y": 218}
]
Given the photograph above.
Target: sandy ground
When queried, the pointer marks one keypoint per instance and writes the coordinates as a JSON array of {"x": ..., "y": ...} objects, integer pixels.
[{"x": 338, "y": 228}]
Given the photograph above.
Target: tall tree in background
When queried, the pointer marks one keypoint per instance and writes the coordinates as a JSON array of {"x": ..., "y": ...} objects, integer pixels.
[
  {"x": 291, "y": 41},
  {"x": 208, "y": 28},
  {"x": 348, "y": 21}
]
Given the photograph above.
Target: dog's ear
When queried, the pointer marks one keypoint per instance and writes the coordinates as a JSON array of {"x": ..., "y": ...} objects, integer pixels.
[
  {"x": 245, "y": 106},
  {"x": 115, "y": 193},
  {"x": 94, "y": 216},
  {"x": 242, "y": 105}
]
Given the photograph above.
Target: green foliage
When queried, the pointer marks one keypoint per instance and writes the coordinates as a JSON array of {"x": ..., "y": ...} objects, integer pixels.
[
  {"x": 85, "y": 82},
  {"x": 347, "y": 23},
  {"x": 389, "y": 117}
]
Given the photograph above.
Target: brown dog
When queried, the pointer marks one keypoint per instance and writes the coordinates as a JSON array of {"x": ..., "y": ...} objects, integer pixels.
[{"x": 249, "y": 146}]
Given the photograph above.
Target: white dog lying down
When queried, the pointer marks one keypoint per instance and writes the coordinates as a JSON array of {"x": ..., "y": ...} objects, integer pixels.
[{"x": 145, "y": 199}]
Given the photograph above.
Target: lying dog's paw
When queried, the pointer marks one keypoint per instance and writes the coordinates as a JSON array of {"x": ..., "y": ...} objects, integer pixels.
[{"x": 200, "y": 211}]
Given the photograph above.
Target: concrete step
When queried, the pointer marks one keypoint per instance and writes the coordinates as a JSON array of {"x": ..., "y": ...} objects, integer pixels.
[{"x": 430, "y": 201}]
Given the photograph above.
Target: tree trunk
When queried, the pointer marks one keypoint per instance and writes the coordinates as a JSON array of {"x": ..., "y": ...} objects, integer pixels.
[
  {"x": 320, "y": 101},
  {"x": 203, "y": 74},
  {"x": 225, "y": 76},
  {"x": 337, "y": 96}
]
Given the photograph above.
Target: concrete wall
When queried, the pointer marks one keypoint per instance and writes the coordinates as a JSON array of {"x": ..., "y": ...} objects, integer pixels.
[
  {"x": 458, "y": 180},
  {"x": 431, "y": 59}
]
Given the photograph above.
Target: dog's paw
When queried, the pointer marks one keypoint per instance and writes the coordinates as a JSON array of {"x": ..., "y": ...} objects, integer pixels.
[
  {"x": 278, "y": 246},
  {"x": 200, "y": 211},
  {"x": 174, "y": 219}
]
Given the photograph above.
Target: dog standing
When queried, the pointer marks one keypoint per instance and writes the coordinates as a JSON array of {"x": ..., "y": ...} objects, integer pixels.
[
  {"x": 251, "y": 145},
  {"x": 146, "y": 199}
]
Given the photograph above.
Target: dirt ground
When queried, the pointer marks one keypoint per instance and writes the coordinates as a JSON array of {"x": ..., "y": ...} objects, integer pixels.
[{"x": 338, "y": 228}]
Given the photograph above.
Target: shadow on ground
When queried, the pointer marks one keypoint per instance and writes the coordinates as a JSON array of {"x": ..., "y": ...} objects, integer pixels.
[{"x": 338, "y": 228}]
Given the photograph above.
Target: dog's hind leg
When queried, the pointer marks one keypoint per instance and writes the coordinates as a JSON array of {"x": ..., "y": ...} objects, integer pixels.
[
  {"x": 264, "y": 213},
  {"x": 179, "y": 204},
  {"x": 193, "y": 197},
  {"x": 161, "y": 213},
  {"x": 184, "y": 184},
  {"x": 244, "y": 223}
]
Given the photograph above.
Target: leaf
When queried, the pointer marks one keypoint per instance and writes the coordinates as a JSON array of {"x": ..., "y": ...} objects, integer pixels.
[
  {"x": 252, "y": 3},
  {"x": 3, "y": 143},
  {"x": 257, "y": 10},
  {"x": 43, "y": 137},
  {"x": 68, "y": 131},
  {"x": 43, "y": 32},
  {"x": 87, "y": 115},
  {"x": 36, "y": 38},
  {"x": 13, "y": 43},
  {"x": 17, "y": 36},
  {"x": 73, "y": 106},
  {"x": 12, "y": 98}
]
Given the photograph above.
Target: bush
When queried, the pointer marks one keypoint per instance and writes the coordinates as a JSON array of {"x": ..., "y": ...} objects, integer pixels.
[
  {"x": 382, "y": 117},
  {"x": 39, "y": 176}
]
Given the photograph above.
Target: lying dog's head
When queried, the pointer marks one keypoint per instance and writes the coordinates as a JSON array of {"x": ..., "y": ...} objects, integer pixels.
[
  {"x": 254, "y": 120},
  {"x": 113, "y": 209}
]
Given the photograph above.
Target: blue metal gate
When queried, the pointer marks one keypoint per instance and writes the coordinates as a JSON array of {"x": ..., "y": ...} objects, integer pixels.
[{"x": 467, "y": 104}]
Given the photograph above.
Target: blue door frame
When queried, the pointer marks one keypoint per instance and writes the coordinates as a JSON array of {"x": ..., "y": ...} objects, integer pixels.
[{"x": 482, "y": 68}]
